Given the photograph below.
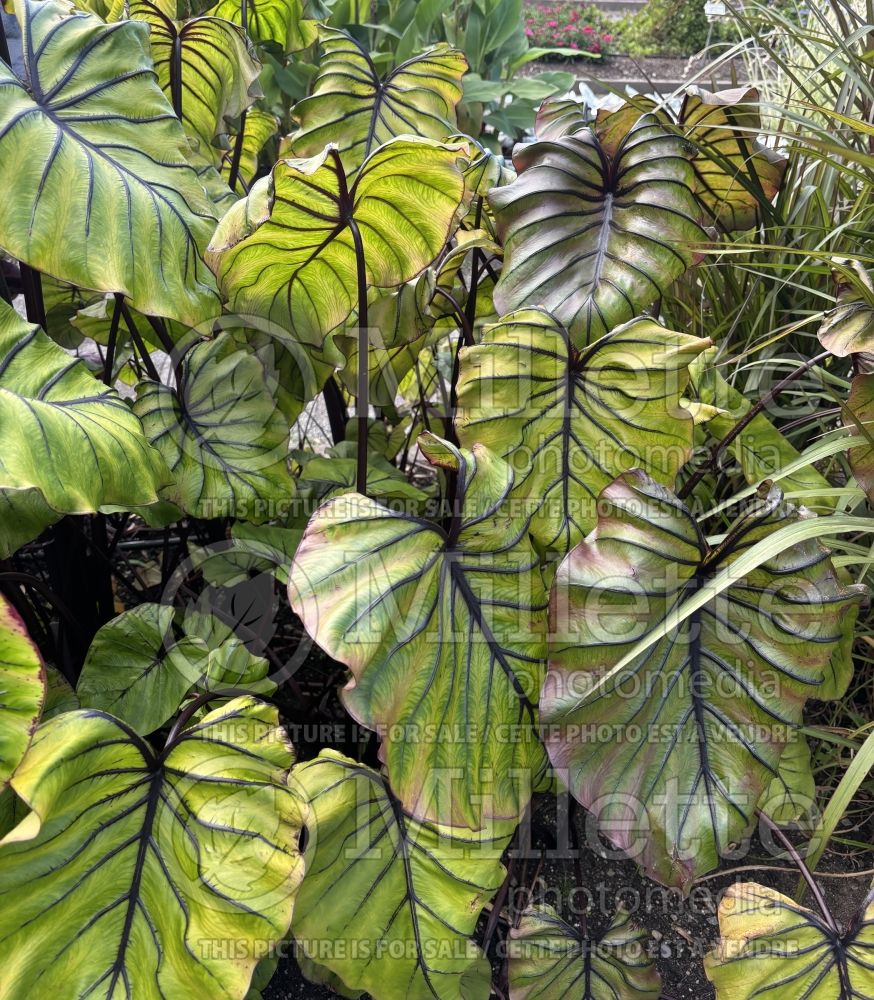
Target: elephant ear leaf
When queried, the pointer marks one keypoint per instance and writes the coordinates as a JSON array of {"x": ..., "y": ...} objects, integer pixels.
[
  {"x": 592, "y": 237},
  {"x": 23, "y": 683},
  {"x": 221, "y": 433},
  {"x": 772, "y": 946},
  {"x": 287, "y": 252},
  {"x": 399, "y": 899},
  {"x": 133, "y": 871},
  {"x": 139, "y": 669},
  {"x": 859, "y": 416},
  {"x": 92, "y": 157},
  {"x": 549, "y": 959},
  {"x": 736, "y": 174},
  {"x": 442, "y": 634},
  {"x": 71, "y": 444},
  {"x": 350, "y": 104},
  {"x": 571, "y": 420},
  {"x": 207, "y": 70},
  {"x": 736, "y": 672},
  {"x": 848, "y": 328},
  {"x": 279, "y": 23}
]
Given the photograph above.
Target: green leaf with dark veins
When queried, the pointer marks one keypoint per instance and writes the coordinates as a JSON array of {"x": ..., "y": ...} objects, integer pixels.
[
  {"x": 548, "y": 959},
  {"x": 221, "y": 433},
  {"x": 398, "y": 899},
  {"x": 22, "y": 690},
  {"x": 701, "y": 718},
  {"x": 569, "y": 420},
  {"x": 771, "y": 946},
  {"x": 277, "y": 22},
  {"x": 210, "y": 64},
  {"x": 94, "y": 159},
  {"x": 352, "y": 106},
  {"x": 592, "y": 238},
  {"x": 443, "y": 634},
  {"x": 70, "y": 443},
  {"x": 133, "y": 870},
  {"x": 287, "y": 251}
]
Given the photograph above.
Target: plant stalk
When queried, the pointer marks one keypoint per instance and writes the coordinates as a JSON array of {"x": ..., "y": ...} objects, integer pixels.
[
  {"x": 238, "y": 142},
  {"x": 791, "y": 850},
  {"x": 109, "y": 361}
]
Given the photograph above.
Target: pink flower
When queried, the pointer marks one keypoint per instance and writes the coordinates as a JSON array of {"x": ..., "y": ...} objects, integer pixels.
[
  {"x": 607, "y": 38},
  {"x": 529, "y": 33},
  {"x": 552, "y": 24},
  {"x": 588, "y": 30},
  {"x": 575, "y": 15},
  {"x": 574, "y": 45}
]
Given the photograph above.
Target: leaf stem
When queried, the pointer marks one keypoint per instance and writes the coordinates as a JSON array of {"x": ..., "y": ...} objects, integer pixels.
[
  {"x": 151, "y": 370},
  {"x": 109, "y": 361},
  {"x": 176, "y": 730},
  {"x": 31, "y": 286},
  {"x": 336, "y": 407},
  {"x": 791, "y": 850}
]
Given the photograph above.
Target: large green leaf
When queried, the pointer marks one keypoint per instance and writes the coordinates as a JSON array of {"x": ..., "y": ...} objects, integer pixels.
[
  {"x": 698, "y": 722},
  {"x": 770, "y": 946},
  {"x": 221, "y": 433},
  {"x": 22, "y": 690},
  {"x": 760, "y": 449},
  {"x": 206, "y": 68},
  {"x": 550, "y": 960},
  {"x": 592, "y": 238},
  {"x": 734, "y": 172},
  {"x": 568, "y": 420},
  {"x": 352, "y": 106},
  {"x": 135, "y": 872},
  {"x": 848, "y": 328},
  {"x": 287, "y": 251},
  {"x": 277, "y": 22},
  {"x": 859, "y": 415},
  {"x": 443, "y": 634},
  {"x": 139, "y": 668},
  {"x": 70, "y": 444},
  {"x": 396, "y": 901},
  {"x": 94, "y": 161}
]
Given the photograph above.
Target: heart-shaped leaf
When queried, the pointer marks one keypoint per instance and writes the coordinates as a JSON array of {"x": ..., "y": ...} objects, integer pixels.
[
  {"x": 93, "y": 158},
  {"x": 443, "y": 635},
  {"x": 352, "y": 106},
  {"x": 699, "y": 721},
  {"x": 568, "y": 420},
  {"x": 859, "y": 416},
  {"x": 398, "y": 899},
  {"x": 277, "y": 22},
  {"x": 595, "y": 238},
  {"x": 70, "y": 444},
  {"x": 207, "y": 70},
  {"x": 549, "y": 959},
  {"x": 23, "y": 683},
  {"x": 848, "y": 328},
  {"x": 287, "y": 252},
  {"x": 134, "y": 870},
  {"x": 772, "y": 946},
  {"x": 139, "y": 668},
  {"x": 734, "y": 171},
  {"x": 221, "y": 433}
]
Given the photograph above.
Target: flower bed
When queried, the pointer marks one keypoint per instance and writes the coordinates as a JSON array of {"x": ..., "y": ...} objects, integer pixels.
[{"x": 570, "y": 27}]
